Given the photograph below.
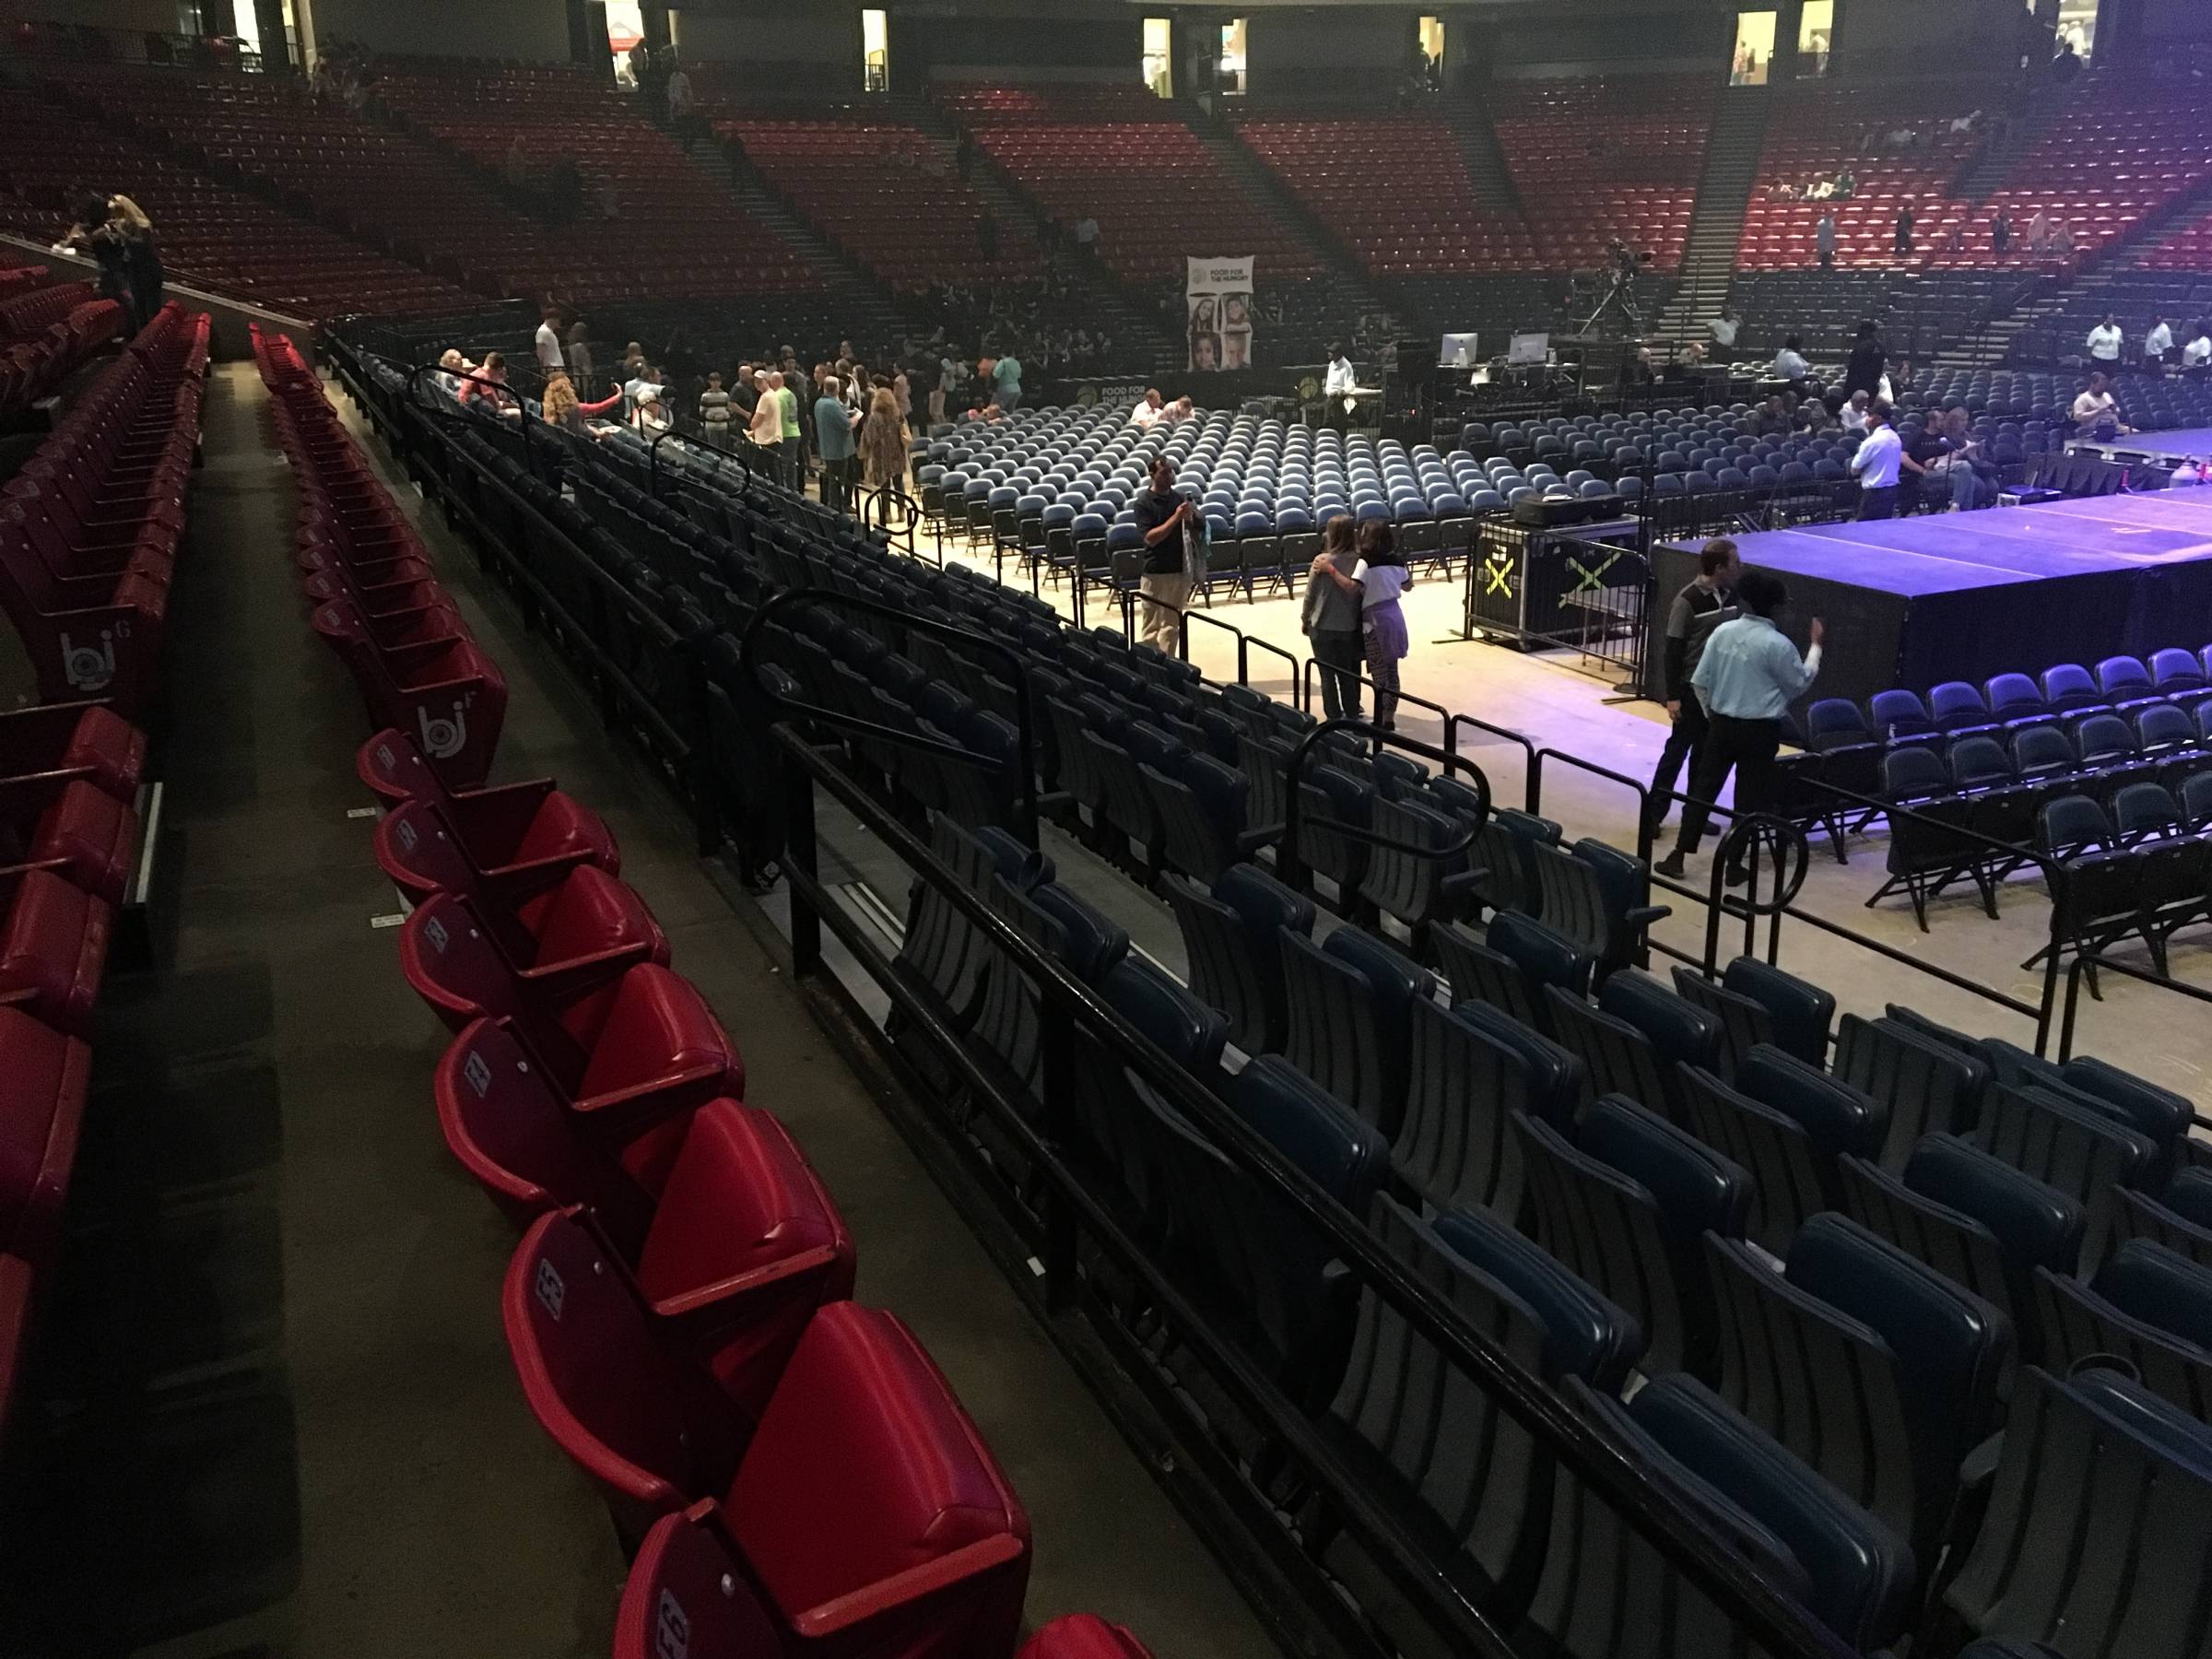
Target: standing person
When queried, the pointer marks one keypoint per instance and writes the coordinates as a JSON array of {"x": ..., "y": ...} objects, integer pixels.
[
  {"x": 2039, "y": 233},
  {"x": 947, "y": 383},
  {"x": 1723, "y": 330},
  {"x": 1005, "y": 382},
  {"x": 1339, "y": 387},
  {"x": 1746, "y": 677},
  {"x": 1879, "y": 455},
  {"x": 94, "y": 233},
  {"x": 2000, "y": 231},
  {"x": 2105, "y": 343},
  {"x": 2156, "y": 345},
  {"x": 1331, "y": 618},
  {"x": 884, "y": 442},
  {"x": 547, "y": 343},
  {"x": 1824, "y": 239},
  {"x": 766, "y": 427},
  {"x": 902, "y": 393},
  {"x": 793, "y": 452},
  {"x": 579, "y": 353},
  {"x": 1862, "y": 372},
  {"x": 1905, "y": 222},
  {"x": 714, "y": 406},
  {"x": 1169, "y": 524},
  {"x": 833, "y": 441},
  {"x": 681, "y": 105},
  {"x": 1378, "y": 577},
  {"x": 1703, "y": 605},
  {"x": 986, "y": 234}
]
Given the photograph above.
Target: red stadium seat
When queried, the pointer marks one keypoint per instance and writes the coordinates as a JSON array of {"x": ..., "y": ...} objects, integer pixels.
[
  {"x": 43, "y": 1076},
  {"x": 477, "y": 959},
  {"x": 509, "y": 842},
  {"x": 75, "y": 829},
  {"x": 1084, "y": 1636},
  {"x": 687, "y": 1595},
  {"x": 73, "y": 740},
  {"x": 589, "y": 1110},
  {"x": 864, "y": 1503},
  {"x": 53, "y": 948}
]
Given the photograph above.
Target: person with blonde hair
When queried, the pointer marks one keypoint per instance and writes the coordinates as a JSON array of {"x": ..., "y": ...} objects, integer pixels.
[
  {"x": 562, "y": 407},
  {"x": 884, "y": 442}
]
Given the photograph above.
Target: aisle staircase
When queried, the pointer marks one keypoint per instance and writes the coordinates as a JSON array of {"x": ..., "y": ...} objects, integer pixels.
[
  {"x": 1716, "y": 225},
  {"x": 1352, "y": 291},
  {"x": 1114, "y": 307},
  {"x": 1488, "y": 178},
  {"x": 875, "y": 314}
]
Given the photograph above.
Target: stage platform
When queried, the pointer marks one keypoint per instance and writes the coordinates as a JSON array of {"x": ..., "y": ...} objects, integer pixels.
[
  {"x": 2162, "y": 448},
  {"x": 1915, "y": 601}
]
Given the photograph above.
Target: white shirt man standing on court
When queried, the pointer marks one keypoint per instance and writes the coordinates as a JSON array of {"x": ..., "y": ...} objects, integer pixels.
[
  {"x": 1879, "y": 454},
  {"x": 2156, "y": 345},
  {"x": 2105, "y": 341},
  {"x": 1746, "y": 677}
]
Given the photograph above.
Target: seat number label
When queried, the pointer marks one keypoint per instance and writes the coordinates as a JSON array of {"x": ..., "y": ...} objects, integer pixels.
[
  {"x": 551, "y": 1290},
  {"x": 671, "y": 1628},
  {"x": 434, "y": 931},
  {"x": 477, "y": 1070}
]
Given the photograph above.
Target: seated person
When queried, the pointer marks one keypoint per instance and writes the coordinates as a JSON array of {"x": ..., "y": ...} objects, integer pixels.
[
  {"x": 2097, "y": 412},
  {"x": 1149, "y": 409},
  {"x": 1853, "y": 419}
]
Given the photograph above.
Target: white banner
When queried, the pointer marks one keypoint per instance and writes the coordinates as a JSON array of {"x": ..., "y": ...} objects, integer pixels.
[{"x": 1217, "y": 294}]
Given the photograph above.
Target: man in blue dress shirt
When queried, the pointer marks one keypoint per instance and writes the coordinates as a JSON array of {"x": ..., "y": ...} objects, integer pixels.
[{"x": 1747, "y": 679}]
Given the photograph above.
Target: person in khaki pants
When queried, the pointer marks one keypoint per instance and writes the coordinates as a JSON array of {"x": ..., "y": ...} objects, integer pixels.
[{"x": 1164, "y": 520}]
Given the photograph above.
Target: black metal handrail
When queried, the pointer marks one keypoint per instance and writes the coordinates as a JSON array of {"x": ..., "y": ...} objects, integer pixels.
[
  {"x": 747, "y": 661},
  {"x": 1290, "y": 867},
  {"x": 652, "y": 459},
  {"x": 1314, "y": 666},
  {"x": 2091, "y": 961},
  {"x": 1776, "y": 1622}
]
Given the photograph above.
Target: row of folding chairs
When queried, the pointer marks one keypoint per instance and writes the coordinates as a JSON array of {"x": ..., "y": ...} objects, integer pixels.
[{"x": 790, "y": 1469}]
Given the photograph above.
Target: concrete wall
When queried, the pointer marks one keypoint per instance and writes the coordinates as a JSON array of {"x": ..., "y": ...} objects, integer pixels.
[
  {"x": 1912, "y": 37},
  {"x": 799, "y": 48},
  {"x": 534, "y": 30}
]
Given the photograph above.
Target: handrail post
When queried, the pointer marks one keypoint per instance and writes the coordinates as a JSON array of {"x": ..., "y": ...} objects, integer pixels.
[{"x": 800, "y": 854}]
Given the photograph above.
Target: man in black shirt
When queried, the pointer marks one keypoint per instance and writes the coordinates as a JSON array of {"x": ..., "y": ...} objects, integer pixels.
[
  {"x": 1698, "y": 609},
  {"x": 1864, "y": 372},
  {"x": 1164, "y": 520}
]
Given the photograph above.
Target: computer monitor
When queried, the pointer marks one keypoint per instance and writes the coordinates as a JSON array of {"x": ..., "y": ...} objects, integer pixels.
[
  {"x": 1458, "y": 351},
  {"x": 1529, "y": 350}
]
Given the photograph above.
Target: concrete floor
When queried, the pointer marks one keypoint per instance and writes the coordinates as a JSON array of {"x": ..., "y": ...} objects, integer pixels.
[
  {"x": 276, "y": 1415},
  {"x": 2140, "y": 1026}
]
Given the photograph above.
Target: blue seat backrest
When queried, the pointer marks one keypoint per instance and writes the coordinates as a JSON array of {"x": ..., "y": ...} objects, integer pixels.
[
  {"x": 1094, "y": 941},
  {"x": 1343, "y": 1155},
  {"x": 2161, "y": 1287},
  {"x": 1024, "y": 867},
  {"x": 1585, "y": 1334},
  {"x": 2159, "y": 1114},
  {"x": 1394, "y": 979},
  {"x": 1923, "y": 1085},
  {"x": 2084, "y": 1153},
  {"x": 1951, "y": 1346},
  {"x": 1858, "y": 1575},
  {"x": 1802, "y": 1012},
  {"x": 1697, "y": 1189},
  {"x": 2035, "y": 1223},
  {"x": 1682, "y": 1033},
  {"x": 1149, "y": 999},
  {"x": 1619, "y": 1058},
  {"x": 1554, "y": 1074},
  {"x": 1546, "y": 956},
  {"x": 1841, "y": 1119},
  {"x": 1264, "y": 903}
]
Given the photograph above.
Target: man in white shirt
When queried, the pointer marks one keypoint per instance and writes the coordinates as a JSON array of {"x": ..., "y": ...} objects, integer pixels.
[
  {"x": 1854, "y": 412},
  {"x": 2196, "y": 356},
  {"x": 1824, "y": 241},
  {"x": 2156, "y": 345},
  {"x": 1877, "y": 461},
  {"x": 1724, "y": 327},
  {"x": 2105, "y": 341},
  {"x": 1149, "y": 409},
  {"x": 1789, "y": 362},
  {"x": 1337, "y": 389},
  {"x": 549, "y": 343},
  {"x": 1086, "y": 232},
  {"x": 2096, "y": 412}
]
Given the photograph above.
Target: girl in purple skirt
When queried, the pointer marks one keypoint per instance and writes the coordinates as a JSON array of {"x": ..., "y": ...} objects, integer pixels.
[{"x": 1378, "y": 577}]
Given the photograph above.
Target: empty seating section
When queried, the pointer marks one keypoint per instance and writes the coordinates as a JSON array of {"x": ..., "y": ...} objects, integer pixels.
[
  {"x": 46, "y": 331},
  {"x": 1121, "y": 156},
  {"x": 680, "y": 231},
  {"x": 1599, "y": 158},
  {"x": 1816, "y": 134},
  {"x": 2186, "y": 247},
  {"x": 909, "y": 225},
  {"x": 212, "y": 235},
  {"x": 382, "y": 186},
  {"x": 2124, "y": 151},
  {"x": 1395, "y": 190}
]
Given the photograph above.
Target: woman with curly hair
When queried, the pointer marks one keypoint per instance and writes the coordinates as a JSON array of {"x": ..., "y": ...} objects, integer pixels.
[{"x": 883, "y": 442}]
